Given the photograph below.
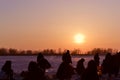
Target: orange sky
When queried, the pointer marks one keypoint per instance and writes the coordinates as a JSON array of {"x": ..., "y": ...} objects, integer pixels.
[{"x": 54, "y": 23}]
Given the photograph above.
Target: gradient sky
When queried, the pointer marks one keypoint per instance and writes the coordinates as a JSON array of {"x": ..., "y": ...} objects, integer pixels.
[{"x": 41, "y": 24}]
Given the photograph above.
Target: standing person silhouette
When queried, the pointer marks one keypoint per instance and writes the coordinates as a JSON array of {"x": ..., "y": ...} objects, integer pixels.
[
  {"x": 107, "y": 64},
  {"x": 97, "y": 59},
  {"x": 67, "y": 57},
  {"x": 65, "y": 70}
]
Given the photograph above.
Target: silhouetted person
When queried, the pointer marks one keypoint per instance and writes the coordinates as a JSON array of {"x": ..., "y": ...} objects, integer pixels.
[
  {"x": 8, "y": 70},
  {"x": 65, "y": 70},
  {"x": 80, "y": 66},
  {"x": 90, "y": 72},
  {"x": 115, "y": 64},
  {"x": 42, "y": 62},
  {"x": 34, "y": 73},
  {"x": 96, "y": 59},
  {"x": 68, "y": 58},
  {"x": 107, "y": 64}
]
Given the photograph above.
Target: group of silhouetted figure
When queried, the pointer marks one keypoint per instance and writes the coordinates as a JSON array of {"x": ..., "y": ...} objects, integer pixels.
[{"x": 94, "y": 71}]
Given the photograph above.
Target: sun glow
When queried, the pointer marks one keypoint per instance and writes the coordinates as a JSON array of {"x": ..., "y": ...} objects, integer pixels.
[{"x": 79, "y": 38}]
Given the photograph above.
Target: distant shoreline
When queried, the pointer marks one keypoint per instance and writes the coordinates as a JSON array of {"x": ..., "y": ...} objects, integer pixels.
[{"x": 47, "y": 54}]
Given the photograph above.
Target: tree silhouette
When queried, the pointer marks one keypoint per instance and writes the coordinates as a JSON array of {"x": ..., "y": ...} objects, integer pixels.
[{"x": 3, "y": 51}]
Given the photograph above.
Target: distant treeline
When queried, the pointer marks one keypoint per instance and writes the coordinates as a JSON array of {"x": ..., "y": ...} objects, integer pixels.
[{"x": 11, "y": 51}]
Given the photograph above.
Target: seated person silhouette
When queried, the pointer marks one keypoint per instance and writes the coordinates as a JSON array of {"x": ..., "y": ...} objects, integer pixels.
[
  {"x": 34, "y": 73},
  {"x": 91, "y": 72},
  {"x": 42, "y": 62},
  {"x": 7, "y": 70},
  {"x": 80, "y": 67}
]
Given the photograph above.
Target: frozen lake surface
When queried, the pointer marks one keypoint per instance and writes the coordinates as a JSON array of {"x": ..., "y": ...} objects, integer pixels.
[{"x": 20, "y": 63}]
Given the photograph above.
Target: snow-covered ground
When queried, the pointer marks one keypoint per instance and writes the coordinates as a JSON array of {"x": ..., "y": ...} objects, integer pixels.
[{"x": 20, "y": 63}]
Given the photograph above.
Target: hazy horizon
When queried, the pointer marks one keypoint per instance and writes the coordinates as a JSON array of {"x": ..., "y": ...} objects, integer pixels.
[{"x": 42, "y": 24}]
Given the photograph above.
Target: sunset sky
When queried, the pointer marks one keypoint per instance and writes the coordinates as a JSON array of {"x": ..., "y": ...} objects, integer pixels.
[{"x": 42, "y": 24}]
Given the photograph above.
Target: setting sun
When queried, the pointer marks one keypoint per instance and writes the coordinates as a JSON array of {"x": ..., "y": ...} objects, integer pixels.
[{"x": 79, "y": 38}]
